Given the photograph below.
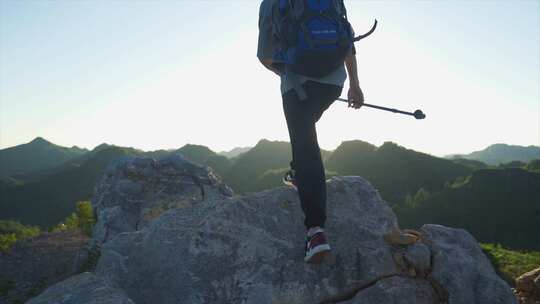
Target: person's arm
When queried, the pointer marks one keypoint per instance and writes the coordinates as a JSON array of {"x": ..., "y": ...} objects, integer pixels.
[{"x": 355, "y": 94}]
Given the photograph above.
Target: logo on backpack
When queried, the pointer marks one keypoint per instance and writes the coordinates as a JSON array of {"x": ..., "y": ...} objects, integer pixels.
[{"x": 314, "y": 36}]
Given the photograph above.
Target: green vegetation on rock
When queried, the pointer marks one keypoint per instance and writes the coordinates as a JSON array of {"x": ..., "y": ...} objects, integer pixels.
[
  {"x": 12, "y": 231},
  {"x": 510, "y": 264},
  {"x": 83, "y": 219}
]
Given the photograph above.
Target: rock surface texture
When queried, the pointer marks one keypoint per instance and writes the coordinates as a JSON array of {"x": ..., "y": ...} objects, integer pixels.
[
  {"x": 32, "y": 264},
  {"x": 170, "y": 231}
]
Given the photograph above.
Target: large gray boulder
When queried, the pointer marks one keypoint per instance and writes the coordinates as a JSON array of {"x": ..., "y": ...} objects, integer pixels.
[
  {"x": 171, "y": 232},
  {"x": 133, "y": 191},
  {"x": 83, "y": 288},
  {"x": 462, "y": 268}
]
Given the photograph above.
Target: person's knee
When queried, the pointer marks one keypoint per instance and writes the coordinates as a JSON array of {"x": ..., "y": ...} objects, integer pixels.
[
  {"x": 303, "y": 132},
  {"x": 306, "y": 147}
]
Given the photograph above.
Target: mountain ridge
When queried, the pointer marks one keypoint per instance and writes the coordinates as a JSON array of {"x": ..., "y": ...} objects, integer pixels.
[
  {"x": 496, "y": 154},
  {"x": 35, "y": 155}
]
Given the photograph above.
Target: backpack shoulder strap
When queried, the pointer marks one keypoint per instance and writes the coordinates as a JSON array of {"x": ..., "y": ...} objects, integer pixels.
[
  {"x": 292, "y": 8},
  {"x": 341, "y": 8}
]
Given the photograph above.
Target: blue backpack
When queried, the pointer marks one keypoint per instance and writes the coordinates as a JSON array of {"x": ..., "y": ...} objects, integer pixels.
[{"x": 314, "y": 36}]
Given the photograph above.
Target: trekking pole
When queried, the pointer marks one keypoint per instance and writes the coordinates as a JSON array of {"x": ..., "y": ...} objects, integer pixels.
[{"x": 418, "y": 114}]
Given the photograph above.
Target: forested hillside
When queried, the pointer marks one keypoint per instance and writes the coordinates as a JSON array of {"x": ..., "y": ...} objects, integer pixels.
[
  {"x": 394, "y": 170},
  {"x": 496, "y": 205}
]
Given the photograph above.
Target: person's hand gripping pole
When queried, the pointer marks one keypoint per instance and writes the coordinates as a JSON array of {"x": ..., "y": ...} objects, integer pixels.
[{"x": 355, "y": 97}]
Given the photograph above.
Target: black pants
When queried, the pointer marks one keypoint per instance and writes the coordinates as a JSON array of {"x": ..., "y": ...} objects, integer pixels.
[{"x": 301, "y": 117}]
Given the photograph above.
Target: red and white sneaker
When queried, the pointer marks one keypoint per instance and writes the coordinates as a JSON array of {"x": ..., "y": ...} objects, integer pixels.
[
  {"x": 289, "y": 179},
  {"x": 316, "y": 246}
]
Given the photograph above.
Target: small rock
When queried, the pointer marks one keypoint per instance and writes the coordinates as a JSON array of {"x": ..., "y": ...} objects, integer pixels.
[
  {"x": 419, "y": 256},
  {"x": 528, "y": 281},
  {"x": 398, "y": 237}
]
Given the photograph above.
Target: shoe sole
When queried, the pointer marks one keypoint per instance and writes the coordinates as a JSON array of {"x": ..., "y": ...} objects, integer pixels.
[
  {"x": 319, "y": 255},
  {"x": 317, "y": 258},
  {"x": 289, "y": 184}
]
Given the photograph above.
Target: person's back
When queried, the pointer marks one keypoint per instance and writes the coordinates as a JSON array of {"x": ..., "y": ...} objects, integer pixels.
[{"x": 301, "y": 113}]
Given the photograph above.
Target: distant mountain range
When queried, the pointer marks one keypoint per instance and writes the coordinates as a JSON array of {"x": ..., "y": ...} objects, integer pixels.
[
  {"x": 234, "y": 152},
  {"x": 35, "y": 155},
  {"x": 403, "y": 177},
  {"x": 502, "y": 153}
]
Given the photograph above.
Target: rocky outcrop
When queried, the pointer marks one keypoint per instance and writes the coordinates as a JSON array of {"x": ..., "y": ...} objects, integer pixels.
[
  {"x": 134, "y": 191},
  {"x": 32, "y": 264},
  {"x": 171, "y": 232},
  {"x": 528, "y": 287}
]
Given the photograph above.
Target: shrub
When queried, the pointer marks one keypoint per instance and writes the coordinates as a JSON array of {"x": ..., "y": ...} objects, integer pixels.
[
  {"x": 13, "y": 231},
  {"x": 510, "y": 264},
  {"x": 82, "y": 218}
]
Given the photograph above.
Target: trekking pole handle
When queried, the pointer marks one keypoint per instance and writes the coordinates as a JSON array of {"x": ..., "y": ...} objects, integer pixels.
[
  {"x": 417, "y": 114},
  {"x": 378, "y": 107},
  {"x": 360, "y": 37}
]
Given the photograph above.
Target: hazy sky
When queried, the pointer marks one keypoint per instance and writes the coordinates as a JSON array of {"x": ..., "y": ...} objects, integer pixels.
[{"x": 160, "y": 74}]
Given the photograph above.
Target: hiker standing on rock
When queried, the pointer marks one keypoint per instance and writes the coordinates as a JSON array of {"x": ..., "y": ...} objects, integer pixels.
[{"x": 308, "y": 44}]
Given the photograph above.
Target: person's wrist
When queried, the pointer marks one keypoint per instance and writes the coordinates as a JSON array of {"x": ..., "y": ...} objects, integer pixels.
[{"x": 354, "y": 84}]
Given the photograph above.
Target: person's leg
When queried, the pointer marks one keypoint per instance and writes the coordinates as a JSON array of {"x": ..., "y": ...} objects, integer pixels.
[
  {"x": 301, "y": 117},
  {"x": 327, "y": 95}
]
